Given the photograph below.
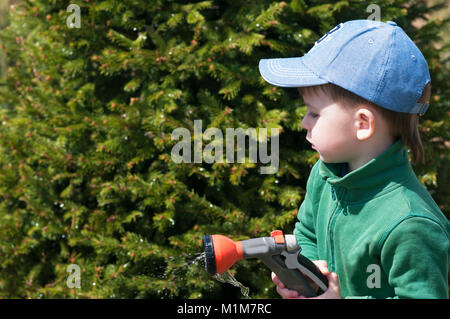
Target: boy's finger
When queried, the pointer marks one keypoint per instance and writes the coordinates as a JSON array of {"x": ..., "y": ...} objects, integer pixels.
[
  {"x": 321, "y": 263},
  {"x": 286, "y": 293},
  {"x": 334, "y": 281},
  {"x": 277, "y": 281},
  {"x": 281, "y": 288},
  {"x": 323, "y": 266},
  {"x": 333, "y": 291}
]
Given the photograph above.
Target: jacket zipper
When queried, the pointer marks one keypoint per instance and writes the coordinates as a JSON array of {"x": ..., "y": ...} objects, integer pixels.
[
  {"x": 334, "y": 215},
  {"x": 332, "y": 223},
  {"x": 333, "y": 195}
]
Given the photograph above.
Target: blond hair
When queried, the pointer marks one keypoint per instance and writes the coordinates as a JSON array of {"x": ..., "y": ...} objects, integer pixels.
[{"x": 401, "y": 125}]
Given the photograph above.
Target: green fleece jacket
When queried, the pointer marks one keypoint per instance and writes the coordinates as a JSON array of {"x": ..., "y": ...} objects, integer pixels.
[{"x": 377, "y": 227}]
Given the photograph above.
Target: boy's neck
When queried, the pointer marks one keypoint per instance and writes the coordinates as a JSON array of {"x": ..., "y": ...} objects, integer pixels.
[{"x": 369, "y": 153}]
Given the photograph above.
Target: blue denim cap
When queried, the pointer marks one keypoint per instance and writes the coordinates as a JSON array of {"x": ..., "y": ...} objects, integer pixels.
[{"x": 373, "y": 59}]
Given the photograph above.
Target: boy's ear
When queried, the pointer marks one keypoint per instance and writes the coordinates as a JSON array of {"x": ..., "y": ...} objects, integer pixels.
[{"x": 365, "y": 123}]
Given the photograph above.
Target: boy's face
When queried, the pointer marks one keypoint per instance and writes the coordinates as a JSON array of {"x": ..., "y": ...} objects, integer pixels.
[{"x": 331, "y": 128}]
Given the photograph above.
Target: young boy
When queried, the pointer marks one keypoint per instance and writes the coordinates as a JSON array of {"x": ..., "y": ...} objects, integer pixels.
[{"x": 366, "y": 220}]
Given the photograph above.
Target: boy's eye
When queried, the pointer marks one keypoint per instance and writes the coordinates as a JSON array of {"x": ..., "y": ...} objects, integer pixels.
[{"x": 313, "y": 115}]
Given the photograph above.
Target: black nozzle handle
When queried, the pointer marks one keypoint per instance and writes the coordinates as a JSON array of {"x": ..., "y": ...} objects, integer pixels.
[
  {"x": 310, "y": 269},
  {"x": 293, "y": 272},
  {"x": 307, "y": 268},
  {"x": 293, "y": 279}
]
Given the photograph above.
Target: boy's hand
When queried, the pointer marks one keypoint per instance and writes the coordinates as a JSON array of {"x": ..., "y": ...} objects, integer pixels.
[{"x": 333, "y": 291}]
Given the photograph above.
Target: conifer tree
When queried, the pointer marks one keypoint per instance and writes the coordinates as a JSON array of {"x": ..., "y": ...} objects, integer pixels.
[{"x": 88, "y": 109}]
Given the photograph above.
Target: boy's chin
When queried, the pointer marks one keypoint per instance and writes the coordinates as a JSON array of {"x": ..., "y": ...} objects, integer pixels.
[
  {"x": 330, "y": 156},
  {"x": 331, "y": 160}
]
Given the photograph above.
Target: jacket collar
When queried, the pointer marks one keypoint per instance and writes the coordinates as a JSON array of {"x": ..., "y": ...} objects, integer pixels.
[{"x": 388, "y": 170}]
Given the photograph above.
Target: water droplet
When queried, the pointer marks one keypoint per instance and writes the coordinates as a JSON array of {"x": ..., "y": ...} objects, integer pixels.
[{"x": 227, "y": 277}]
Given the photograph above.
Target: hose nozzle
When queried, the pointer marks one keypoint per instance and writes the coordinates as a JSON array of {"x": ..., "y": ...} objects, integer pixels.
[
  {"x": 221, "y": 253},
  {"x": 280, "y": 253}
]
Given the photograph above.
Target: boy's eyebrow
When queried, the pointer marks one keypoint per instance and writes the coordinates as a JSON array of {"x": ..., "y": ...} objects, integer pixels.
[{"x": 310, "y": 105}]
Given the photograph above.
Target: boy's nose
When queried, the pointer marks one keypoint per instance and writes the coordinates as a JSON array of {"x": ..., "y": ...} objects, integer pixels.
[{"x": 305, "y": 124}]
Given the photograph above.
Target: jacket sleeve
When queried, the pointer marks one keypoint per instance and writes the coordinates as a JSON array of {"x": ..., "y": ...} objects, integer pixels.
[
  {"x": 415, "y": 257},
  {"x": 304, "y": 229}
]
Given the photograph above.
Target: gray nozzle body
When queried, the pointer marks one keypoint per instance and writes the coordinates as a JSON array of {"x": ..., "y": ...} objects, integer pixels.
[{"x": 273, "y": 255}]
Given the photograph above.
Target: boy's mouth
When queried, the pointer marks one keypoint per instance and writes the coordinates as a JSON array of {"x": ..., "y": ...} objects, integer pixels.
[{"x": 312, "y": 145}]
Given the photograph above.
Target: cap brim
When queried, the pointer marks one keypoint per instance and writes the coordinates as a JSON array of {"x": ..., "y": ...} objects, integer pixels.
[{"x": 288, "y": 72}]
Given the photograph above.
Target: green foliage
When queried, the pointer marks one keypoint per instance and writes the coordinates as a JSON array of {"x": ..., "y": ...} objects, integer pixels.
[{"x": 85, "y": 142}]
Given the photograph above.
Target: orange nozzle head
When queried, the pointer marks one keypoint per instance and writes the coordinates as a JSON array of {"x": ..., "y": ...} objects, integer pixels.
[{"x": 220, "y": 253}]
